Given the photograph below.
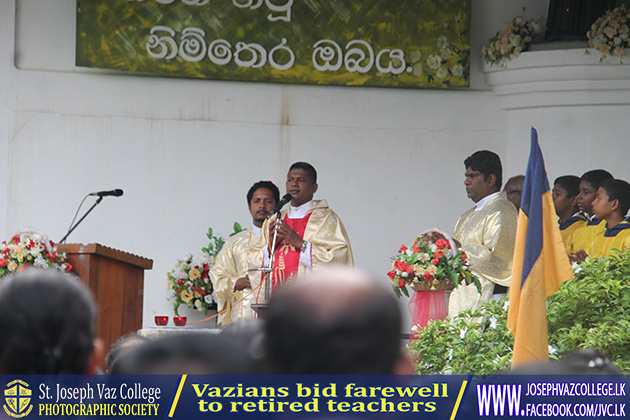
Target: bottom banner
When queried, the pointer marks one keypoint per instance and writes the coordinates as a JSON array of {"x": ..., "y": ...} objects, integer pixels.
[{"x": 313, "y": 397}]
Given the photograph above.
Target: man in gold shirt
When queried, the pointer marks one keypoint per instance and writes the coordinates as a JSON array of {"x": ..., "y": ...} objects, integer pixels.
[
  {"x": 486, "y": 233},
  {"x": 229, "y": 274},
  {"x": 309, "y": 235}
]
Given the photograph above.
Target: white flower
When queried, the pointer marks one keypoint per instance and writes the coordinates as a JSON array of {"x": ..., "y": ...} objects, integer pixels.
[
  {"x": 209, "y": 298},
  {"x": 442, "y": 42},
  {"x": 199, "y": 305},
  {"x": 40, "y": 262},
  {"x": 505, "y": 305},
  {"x": 515, "y": 40},
  {"x": 551, "y": 350},
  {"x": 493, "y": 322},
  {"x": 36, "y": 249},
  {"x": 206, "y": 259},
  {"x": 409, "y": 252},
  {"x": 433, "y": 247},
  {"x": 185, "y": 265},
  {"x": 415, "y": 55},
  {"x": 446, "y": 53},
  {"x": 442, "y": 73},
  {"x": 462, "y": 332},
  {"x": 404, "y": 274},
  {"x": 434, "y": 61},
  {"x": 179, "y": 273}
]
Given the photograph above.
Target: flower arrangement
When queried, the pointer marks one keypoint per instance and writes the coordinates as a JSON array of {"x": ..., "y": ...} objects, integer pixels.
[
  {"x": 429, "y": 265},
  {"x": 30, "y": 249},
  {"x": 610, "y": 33},
  {"x": 190, "y": 281},
  {"x": 515, "y": 37}
]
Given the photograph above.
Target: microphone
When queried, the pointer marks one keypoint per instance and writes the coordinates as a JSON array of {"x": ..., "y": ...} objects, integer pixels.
[
  {"x": 114, "y": 193},
  {"x": 285, "y": 199}
]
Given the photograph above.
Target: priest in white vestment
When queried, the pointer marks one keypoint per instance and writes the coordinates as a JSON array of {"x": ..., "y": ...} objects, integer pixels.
[
  {"x": 486, "y": 233},
  {"x": 235, "y": 288},
  {"x": 309, "y": 234}
]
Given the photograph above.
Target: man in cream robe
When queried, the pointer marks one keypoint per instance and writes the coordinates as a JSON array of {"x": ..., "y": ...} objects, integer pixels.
[
  {"x": 309, "y": 234},
  {"x": 486, "y": 232},
  {"x": 235, "y": 288}
]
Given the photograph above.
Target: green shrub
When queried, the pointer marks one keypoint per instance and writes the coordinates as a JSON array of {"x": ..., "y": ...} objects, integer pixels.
[{"x": 590, "y": 311}]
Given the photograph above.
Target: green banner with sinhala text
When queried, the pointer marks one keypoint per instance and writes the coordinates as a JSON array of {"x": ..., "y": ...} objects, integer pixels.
[{"x": 401, "y": 43}]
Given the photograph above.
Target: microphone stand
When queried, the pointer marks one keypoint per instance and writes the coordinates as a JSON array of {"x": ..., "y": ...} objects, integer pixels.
[
  {"x": 260, "y": 308},
  {"x": 269, "y": 268},
  {"x": 81, "y": 219}
]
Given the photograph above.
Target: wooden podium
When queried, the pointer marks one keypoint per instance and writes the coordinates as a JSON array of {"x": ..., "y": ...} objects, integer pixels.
[{"x": 116, "y": 278}]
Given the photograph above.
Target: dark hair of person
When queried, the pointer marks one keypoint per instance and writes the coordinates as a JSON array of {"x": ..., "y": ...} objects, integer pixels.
[
  {"x": 47, "y": 323},
  {"x": 618, "y": 189},
  {"x": 570, "y": 183},
  {"x": 263, "y": 184},
  {"x": 362, "y": 337},
  {"x": 121, "y": 344},
  {"x": 195, "y": 354},
  {"x": 487, "y": 163},
  {"x": 310, "y": 170},
  {"x": 596, "y": 177}
]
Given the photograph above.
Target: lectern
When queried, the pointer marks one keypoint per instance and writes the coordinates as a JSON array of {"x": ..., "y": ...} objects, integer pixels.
[{"x": 116, "y": 278}]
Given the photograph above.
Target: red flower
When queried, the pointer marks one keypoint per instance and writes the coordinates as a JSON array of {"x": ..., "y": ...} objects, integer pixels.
[
  {"x": 427, "y": 276},
  {"x": 202, "y": 292},
  {"x": 392, "y": 275},
  {"x": 435, "y": 260},
  {"x": 400, "y": 265},
  {"x": 439, "y": 253},
  {"x": 416, "y": 248},
  {"x": 402, "y": 249},
  {"x": 68, "y": 266},
  {"x": 205, "y": 275},
  {"x": 442, "y": 243},
  {"x": 3, "y": 263},
  {"x": 409, "y": 269},
  {"x": 180, "y": 282},
  {"x": 401, "y": 283},
  {"x": 464, "y": 256}
]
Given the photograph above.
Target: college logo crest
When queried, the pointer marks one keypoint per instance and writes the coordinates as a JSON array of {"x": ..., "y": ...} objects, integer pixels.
[{"x": 18, "y": 399}]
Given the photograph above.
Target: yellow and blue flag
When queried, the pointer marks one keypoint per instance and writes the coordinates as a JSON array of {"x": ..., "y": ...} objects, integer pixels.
[{"x": 540, "y": 263}]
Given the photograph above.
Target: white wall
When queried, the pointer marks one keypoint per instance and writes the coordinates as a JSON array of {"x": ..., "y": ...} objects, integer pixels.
[{"x": 186, "y": 151}]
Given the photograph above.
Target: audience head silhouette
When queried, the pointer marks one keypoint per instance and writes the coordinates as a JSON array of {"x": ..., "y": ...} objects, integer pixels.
[
  {"x": 47, "y": 324},
  {"x": 193, "y": 354},
  {"x": 334, "y": 321}
]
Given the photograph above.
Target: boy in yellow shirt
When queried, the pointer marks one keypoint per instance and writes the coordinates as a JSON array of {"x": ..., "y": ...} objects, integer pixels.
[
  {"x": 564, "y": 194},
  {"x": 583, "y": 238},
  {"x": 611, "y": 205}
]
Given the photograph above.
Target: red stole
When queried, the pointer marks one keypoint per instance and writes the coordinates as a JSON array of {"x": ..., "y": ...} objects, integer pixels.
[{"x": 287, "y": 259}]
